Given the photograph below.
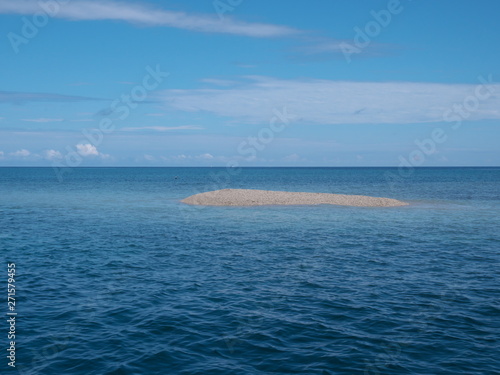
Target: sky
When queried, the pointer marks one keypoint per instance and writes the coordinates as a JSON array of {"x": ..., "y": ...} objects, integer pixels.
[{"x": 251, "y": 83}]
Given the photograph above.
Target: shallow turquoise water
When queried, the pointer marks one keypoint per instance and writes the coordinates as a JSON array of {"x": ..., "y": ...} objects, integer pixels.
[{"x": 116, "y": 276}]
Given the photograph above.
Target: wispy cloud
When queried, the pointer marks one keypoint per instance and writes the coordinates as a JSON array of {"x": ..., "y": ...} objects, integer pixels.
[
  {"x": 23, "y": 153},
  {"x": 334, "y": 102},
  {"x": 324, "y": 46},
  {"x": 85, "y": 150},
  {"x": 43, "y": 120},
  {"x": 182, "y": 157},
  {"x": 320, "y": 48},
  {"x": 245, "y": 66},
  {"x": 14, "y": 97},
  {"x": 292, "y": 158},
  {"x": 163, "y": 128},
  {"x": 52, "y": 155},
  {"x": 149, "y": 15},
  {"x": 81, "y": 84},
  {"x": 219, "y": 82}
]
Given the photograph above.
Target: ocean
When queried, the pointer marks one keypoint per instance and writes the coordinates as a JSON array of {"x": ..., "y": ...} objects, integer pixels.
[{"x": 114, "y": 275}]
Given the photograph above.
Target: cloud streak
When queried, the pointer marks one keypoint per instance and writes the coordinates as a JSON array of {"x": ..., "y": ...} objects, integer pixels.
[
  {"x": 43, "y": 120},
  {"x": 318, "y": 49},
  {"x": 15, "y": 97},
  {"x": 163, "y": 128},
  {"x": 147, "y": 15},
  {"x": 335, "y": 102}
]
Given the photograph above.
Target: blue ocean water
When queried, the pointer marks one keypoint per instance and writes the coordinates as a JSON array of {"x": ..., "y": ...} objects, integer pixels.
[{"x": 115, "y": 275}]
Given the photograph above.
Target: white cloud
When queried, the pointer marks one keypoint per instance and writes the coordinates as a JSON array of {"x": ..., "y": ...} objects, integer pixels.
[
  {"x": 148, "y": 15},
  {"x": 206, "y": 156},
  {"x": 335, "y": 102},
  {"x": 149, "y": 157},
  {"x": 87, "y": 150},
  {"x": 1, "y": 154},
  {"x": 23, "y": 153},
  {"x": 52, "y": 155},
  {"x": 292, "y": 157},
  {"x": 163, "y": 128},
  {"x": 43, "y": 120}
]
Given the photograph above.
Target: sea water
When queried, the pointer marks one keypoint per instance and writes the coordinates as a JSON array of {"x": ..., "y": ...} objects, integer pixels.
[{"x": 114, "y": 275}]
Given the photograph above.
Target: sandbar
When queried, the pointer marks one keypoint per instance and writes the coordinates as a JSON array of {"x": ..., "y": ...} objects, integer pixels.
[{"x": 250, "y": 197}]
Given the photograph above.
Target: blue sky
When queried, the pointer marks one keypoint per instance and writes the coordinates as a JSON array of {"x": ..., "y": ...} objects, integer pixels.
[{"x": 257, "y": 83}]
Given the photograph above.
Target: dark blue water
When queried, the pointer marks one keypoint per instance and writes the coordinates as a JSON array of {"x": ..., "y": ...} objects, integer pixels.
[{"x": 116, "y": 276}]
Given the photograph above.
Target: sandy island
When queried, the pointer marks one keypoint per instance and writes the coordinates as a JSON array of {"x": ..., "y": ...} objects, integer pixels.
[{"x": 247, "y": 197}]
